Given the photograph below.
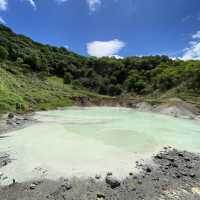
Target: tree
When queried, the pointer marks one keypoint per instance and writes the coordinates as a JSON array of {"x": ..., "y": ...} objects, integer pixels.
[
  {"x": 67, "y": 78},
  {"x": 3, "y": 53},
  {"x": 115, "y": 90}
]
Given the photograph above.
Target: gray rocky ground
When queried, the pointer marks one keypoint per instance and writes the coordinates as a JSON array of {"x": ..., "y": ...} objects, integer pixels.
[
  {"x": 175, "y": 175},
  {"x": 11, "y": 121}
]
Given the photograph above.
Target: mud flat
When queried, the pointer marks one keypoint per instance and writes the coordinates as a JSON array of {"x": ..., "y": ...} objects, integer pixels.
[{"x": 174, "y": 175}]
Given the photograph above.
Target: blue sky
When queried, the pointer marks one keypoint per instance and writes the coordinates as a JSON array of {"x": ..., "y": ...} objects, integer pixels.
[{"x": 109, "y": 27}]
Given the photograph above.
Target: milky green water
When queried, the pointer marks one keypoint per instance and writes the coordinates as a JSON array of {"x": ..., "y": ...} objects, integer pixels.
[{"x": 89, "y": 141}]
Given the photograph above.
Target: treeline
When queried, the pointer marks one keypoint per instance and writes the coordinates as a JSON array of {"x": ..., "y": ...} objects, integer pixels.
[{"x": 109, "y": 76}]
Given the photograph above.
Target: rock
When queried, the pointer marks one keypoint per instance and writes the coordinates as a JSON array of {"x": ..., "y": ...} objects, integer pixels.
[
  {"x": 187, "y": 159},
  {"x": 18, "y": 122},
  {"x": 109, "y": 174},
  {"x": 11, "y": 115},
  {"x": 170, "y": 159},
  {"x": 189, "y": 166},
  {"x": 114, "y": 183},
  {"x": 131, "y": 186},
  {"x": 192, "y": 175},
  {"x": 10, "y": 122},
  {"x": 183, "y": 173},
  {"x": 66, "y": 185},
  {"x": 101, "y": 196},
  {"x": 148, "y": 170},
  {"x": 158, "y": 157},
  {"x": 4, "y": 163},
  {"x": 180, "y": 155},
  {"x": 98, "y": 176},
  {"x": 32, "y": 186}
]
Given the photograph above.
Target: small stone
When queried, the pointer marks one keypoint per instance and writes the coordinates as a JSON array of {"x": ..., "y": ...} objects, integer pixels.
[
  {"x": 189, "y": 166},
  {"x": 170, "y": 159},
  {"x": 114, "y": 183},
  {"x": 9, "y": 122},
  {"x": 11, "y": 115},
  {"x": 14, "y": 181},
  {"x": 174, "y": 165},
  {"x": 183, "y": 173},
  {"x": 101, "y": 196},
  {"x": 4, "y": 163},
  {"x": 109, "y": 174},
  {"x": 98, "y": 176},
  {"x": 66, "y": 186},
  {"x": 131, "y": 186},
  {"x": 180, "y": 155},
  {"x": 192, "y": 175},
  {"x": 187, "y": 159},
  {"x": 32, "y": 186},
  {"x": 155, "y": 179},
  {"x": 148, "y": 170},
  {"x": 131, "y": 174},
  {"x": 158, "y": 157}
]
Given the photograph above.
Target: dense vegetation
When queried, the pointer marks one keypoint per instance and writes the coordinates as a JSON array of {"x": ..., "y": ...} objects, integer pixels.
[{"x": 33, "y": 64}]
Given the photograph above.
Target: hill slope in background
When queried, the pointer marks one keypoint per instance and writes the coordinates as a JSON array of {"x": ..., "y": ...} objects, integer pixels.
[{"x": 37, "y": 76}]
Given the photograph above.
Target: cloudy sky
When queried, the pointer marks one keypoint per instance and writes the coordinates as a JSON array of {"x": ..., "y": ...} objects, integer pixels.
[{"x": 109, "y": 27}]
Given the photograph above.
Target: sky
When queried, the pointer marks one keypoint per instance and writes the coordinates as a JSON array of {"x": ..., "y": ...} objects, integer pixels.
[{"x": 109, "y": 27}]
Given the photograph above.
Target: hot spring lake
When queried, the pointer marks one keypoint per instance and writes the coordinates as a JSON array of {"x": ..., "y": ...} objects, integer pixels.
[{"x": 84, "y": 142}]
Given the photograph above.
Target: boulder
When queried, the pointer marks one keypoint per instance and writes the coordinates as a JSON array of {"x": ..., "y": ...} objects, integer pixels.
[
  {"x": 114, "y": 183},
  {"x": 101, "y": 196},
  {"x": 11, "y": 115},
  {"x": 33, "y": 186},
  {"x": 98, "y": 176}
]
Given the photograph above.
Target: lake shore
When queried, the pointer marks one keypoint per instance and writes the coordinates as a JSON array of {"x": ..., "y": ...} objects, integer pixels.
[
  {"x": 11, "y": 121},
  {"x": 173, "y": 107},
  {"x": 174, "y": 175}
]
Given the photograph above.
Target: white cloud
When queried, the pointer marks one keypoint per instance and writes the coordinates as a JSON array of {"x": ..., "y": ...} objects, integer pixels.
[
  {"x": 193, "y": 51},
  {"x": 66, "y": 47},
  {"x": 2, "y": 21},
  {"x": 104, "y": 48},
  {"x": 61, "y": 1},
  {"x": 196, "y": 35},
  {"x": 116, "y": 56},
  {"x": 3, "y": 4},
  {"x": 32, "y": 3},
  {"x": 93, "y": 4}
]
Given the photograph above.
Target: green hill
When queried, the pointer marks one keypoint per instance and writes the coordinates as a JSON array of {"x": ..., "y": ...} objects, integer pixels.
[{"x": 35, "y": 76}]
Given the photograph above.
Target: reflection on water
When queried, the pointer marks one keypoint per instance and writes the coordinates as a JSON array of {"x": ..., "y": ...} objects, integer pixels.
[{"x": 83, "y": 142}]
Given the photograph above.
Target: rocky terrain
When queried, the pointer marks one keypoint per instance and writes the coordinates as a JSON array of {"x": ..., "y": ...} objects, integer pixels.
[
  {"x": 174, "y": 107},
  {"x": 174, "y": 175},
  {"x": 11, "y": 121}
]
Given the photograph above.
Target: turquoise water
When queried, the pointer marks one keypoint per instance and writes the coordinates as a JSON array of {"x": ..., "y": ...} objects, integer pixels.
[
  {"x": 129, "y": 129},
  {"x": 88, "y": 141}
]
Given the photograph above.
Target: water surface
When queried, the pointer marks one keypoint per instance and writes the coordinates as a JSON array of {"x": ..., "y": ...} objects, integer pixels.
[{"x": 88, "y": 141}]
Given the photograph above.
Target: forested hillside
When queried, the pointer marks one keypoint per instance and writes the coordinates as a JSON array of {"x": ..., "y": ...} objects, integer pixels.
[{"x": 33, "y": 72}]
